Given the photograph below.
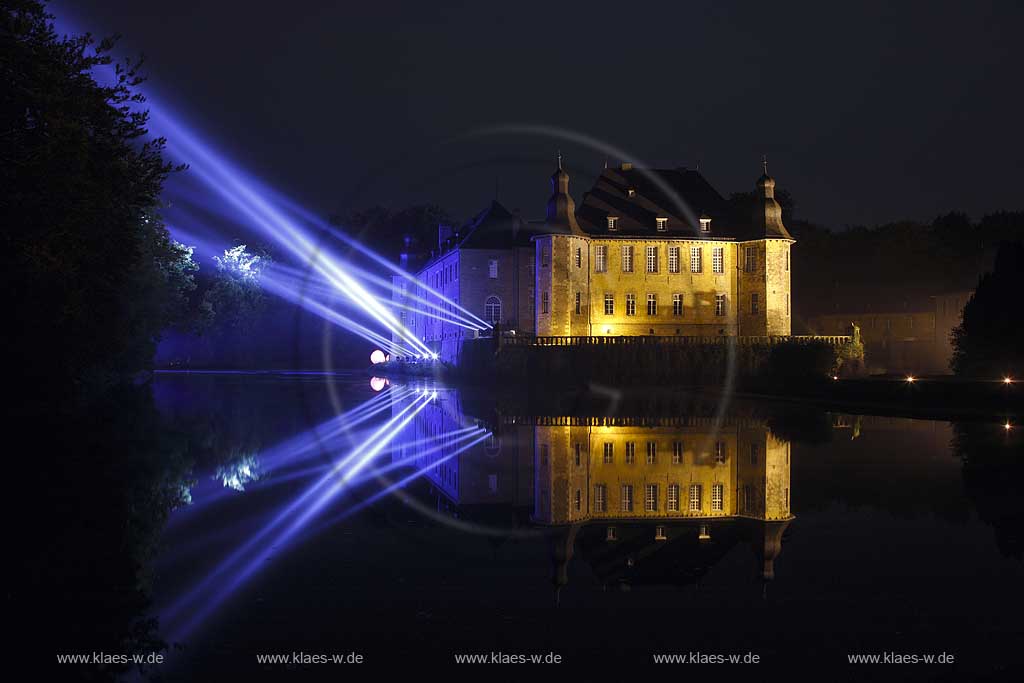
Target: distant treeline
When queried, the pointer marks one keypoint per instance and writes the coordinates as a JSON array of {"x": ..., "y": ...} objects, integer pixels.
[{"x": 896, "y": 266}]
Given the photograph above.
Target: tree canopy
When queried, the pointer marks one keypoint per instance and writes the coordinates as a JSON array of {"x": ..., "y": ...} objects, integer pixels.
[{"x": 91, "y": 272}]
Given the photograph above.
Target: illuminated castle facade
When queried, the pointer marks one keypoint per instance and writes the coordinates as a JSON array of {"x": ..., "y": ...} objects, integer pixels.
[{"x": 648, "y": 252}]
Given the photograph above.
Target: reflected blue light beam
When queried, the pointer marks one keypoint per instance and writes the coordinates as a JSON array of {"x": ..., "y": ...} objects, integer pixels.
[
  {"x": 405, "y": 481},
  {"x": 379, "y": 439},
  {"x": 216, "y": 537},
  {"x": 319, "y": 439}
]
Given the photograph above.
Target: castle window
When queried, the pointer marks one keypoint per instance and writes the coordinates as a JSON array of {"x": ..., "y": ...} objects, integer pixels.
[
  {"x": 578, "y": 458},
  {"x": 492, "y": 268},
  {"x": 630, "y": 452},
  {"x": 492, "y": 310},
  {"x": 600, "y": 259},
  {"x": 717, "y": 495},
  {"x": 627, "y": 497},
  {"x": 544, "y": 302},
  {"x": 719, "y": 304},
  {"x": 750, "y": 259},
  {"x": 672, "y": 504},
  {"x": 696, "y": 262},
  {"x": 720, "y": 452},
  {"x": 677, "y": 452},
  {"x": 695, "y": 498},
  {"x": 609, "y": 452},
  {"x": 753, "y": 454},
  {"x": 613, "y": 223},
  {"x": 651, "y": 498},
  {"x": 787, "y": 304},
  {"x": 677, "y": 304},
  {"x": 627, "y": 259},
  {"x": 705, "y": 225},
  {"x": 631, "y": 304},
  {"x": 579, "y": 257},
  {"x": 718, "y": 260},
  {"x": 579, "y": 303},
  {"x": 579, "y": 500},
  {"x": 673, "y": 259},
  {"x": 662, "y": 224},
  {"x": 544, "y": 256},
  {"x": 754, "y": 303},
  {"x": 652, "y": 259},
  {"x": 652, "y": 452},
  {"x": 787, "y": 259},
  {"x": 652, "y": 304},
  {"x": 600, "y": 498},
  {"x": 609, "y": 304}
]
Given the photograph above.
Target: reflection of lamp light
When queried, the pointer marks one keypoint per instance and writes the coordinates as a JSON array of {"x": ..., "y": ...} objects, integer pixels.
[
  {"x": 378, "y": 356},
  {"x": 704, "y": 535},
  {"x": 377, "y": 383}
]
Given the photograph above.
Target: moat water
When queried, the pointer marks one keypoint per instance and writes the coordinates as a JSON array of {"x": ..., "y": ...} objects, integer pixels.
[{"x": 411, "y": 524}]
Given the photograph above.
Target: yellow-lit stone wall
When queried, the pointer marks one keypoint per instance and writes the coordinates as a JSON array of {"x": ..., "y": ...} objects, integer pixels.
[
  {"x": 566, "y": 487},
  {"x": 562, "y": 279},
  {"x": 777, "y": 274}
]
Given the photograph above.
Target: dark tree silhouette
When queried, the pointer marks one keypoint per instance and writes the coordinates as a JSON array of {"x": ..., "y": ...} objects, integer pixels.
[
  {"x": 990, "y": 341},
  {"x": 90, "y": 272},
  {"x": 386, "y": 230}
]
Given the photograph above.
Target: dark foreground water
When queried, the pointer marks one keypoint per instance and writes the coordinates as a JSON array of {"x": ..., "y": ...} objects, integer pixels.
[{"x": 317, "y": 517}]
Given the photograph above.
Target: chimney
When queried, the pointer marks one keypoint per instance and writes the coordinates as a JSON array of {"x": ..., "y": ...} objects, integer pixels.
[{"x": 444, "y": 232}]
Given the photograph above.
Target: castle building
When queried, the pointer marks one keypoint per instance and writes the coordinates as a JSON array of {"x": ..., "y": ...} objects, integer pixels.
[
  {"x": 908, "y": 336},
  {"x": 648, "y": 252},
  {"x": 657, "y": 252}
]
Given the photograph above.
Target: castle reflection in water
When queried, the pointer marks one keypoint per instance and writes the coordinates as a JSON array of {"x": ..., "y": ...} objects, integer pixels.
[{"x": 641, "y": 500}]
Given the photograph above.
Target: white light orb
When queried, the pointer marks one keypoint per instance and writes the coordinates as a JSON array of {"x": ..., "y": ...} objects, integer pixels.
[{"x": 378, "y": 356}]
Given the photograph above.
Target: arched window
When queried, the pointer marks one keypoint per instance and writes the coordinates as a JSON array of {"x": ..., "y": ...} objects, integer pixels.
[{"x": 492, "y": 310}]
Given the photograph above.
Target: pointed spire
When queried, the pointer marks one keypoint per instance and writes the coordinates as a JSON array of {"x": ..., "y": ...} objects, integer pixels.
[
  {"x": 764, "y": 163},
  {"x": 559, "y": 160}
]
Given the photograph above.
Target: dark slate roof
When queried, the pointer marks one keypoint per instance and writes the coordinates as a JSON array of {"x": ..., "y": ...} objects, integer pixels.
[
  {"x": 678, "y": 194},
  {"x": 496, "y": 228}
]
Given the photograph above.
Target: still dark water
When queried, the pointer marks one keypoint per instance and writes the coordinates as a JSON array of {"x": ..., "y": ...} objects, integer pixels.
[{"x": 411, "y": 523}]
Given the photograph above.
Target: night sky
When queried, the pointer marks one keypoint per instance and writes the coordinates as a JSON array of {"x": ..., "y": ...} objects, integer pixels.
[{"x": 868, "y": 112}]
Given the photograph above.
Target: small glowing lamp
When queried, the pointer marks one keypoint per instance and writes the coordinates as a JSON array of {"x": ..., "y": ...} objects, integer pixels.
[
  {"x": 835, "y": 376},
  {"x": 910, "y": 379},
  {"x": 1007, "y": 426},
  {"x": 377, "y": 383},
  {"x": 1007, "y": 380},
  {"x": 378, "y": 356}
]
